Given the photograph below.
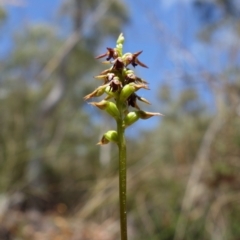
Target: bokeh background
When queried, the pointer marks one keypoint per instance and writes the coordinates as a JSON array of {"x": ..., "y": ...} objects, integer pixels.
[{"x": 183, "y": 169}]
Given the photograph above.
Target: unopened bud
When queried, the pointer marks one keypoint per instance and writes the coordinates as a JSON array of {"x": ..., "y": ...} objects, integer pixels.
[
  {"x": 131, "y": 118},
  {"x": 119, "y": 48},
  {"x": 108, "y": 106},
  {"x": 109, "y": 136},
  {"x": 129, "y": 89},
  {"x": 120, "y": 39},
  {"x": 119, "y": 45}
]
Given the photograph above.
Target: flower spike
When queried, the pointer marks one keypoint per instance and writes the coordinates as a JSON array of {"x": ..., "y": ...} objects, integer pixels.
[{"x": 120, "y": 85}]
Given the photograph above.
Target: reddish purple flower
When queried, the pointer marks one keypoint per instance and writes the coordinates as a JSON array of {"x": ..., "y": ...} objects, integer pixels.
[
  {"x": 132, "y": 58},
  {"x": 111, "y": 53}
]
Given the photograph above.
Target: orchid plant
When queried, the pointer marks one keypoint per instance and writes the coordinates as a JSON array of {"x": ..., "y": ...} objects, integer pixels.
[{"x": 119, "y": 86}]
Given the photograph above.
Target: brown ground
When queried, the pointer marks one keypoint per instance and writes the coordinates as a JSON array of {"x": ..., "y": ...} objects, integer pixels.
[{"x": 34, "y": 225}]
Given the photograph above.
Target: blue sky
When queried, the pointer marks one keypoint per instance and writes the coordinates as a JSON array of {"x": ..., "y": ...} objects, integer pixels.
[
  {"x": 143, "y": 32},
  {"x": 165, "y": 31},
  {"x": 33, "y": 11}
]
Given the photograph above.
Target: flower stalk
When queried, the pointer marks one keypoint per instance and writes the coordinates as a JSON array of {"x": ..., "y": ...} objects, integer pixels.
[
  {"x": 119, "y": 85},
  {"x": 122, "y": 173}
]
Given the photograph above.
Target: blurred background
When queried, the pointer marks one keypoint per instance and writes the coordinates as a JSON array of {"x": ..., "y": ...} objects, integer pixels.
[{"x": 183, "y": 180}]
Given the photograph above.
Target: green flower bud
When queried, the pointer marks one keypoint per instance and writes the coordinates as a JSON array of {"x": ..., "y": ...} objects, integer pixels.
[
  {"x": 126, "y": 92},
  {"x": 109, "y": 107},
  {"x": 119, "y": 45},
  {"x": 131, "y": 118},
  {"x": 120, "y": 39},
  {"x": 129, "y": 89},
  {"x": 109, "y": 136}
]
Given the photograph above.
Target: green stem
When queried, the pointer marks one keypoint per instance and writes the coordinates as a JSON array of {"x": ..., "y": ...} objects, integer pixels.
[{"x": 122, "y": 176}]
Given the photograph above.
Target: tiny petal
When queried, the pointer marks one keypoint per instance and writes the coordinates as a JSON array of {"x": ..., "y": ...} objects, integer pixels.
[
  {"x": 108, "y": 97},
  {"x": 97, "y": 92},
  {"x": 141, "y": 80},
  {"x": 137, "y": 54},
  {"x": 146, "y": 115},
  {"x": 101, "y": 105},
  {"x": 132, "y": 101},
  {"x": 107, "y": 71},
  {"x": 131, "y": 77},
  {"x": 103, "y": 141},
  {"x": 106, "y": 62},
  {"x": 140, "y": 63},
  {"x": 101, "y": 76},
  {"x": 115, "y": 84},
  {"x": 106, "y": 77},
  {"x": 118, "y": 64},
  {"x": 102, "y": 55},
  {"x": 136, "y": 61},
  {"x": 143, "y": 100},
  {"x": 111, "y": 53}
]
